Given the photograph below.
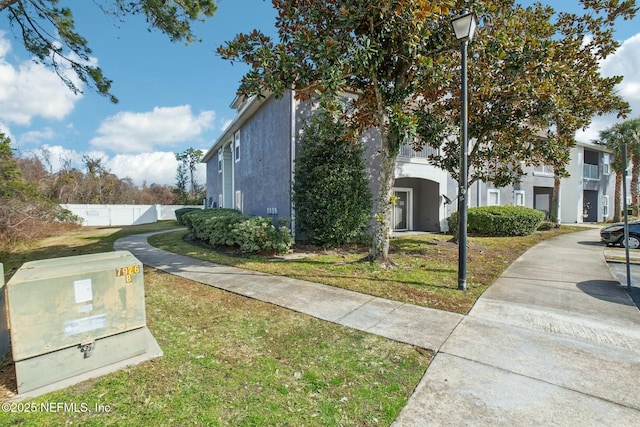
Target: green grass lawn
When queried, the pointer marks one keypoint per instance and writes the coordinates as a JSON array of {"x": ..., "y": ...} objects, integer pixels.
[
  {"x": 228, "y": 361},
  {"x": 426, "y": 269}
]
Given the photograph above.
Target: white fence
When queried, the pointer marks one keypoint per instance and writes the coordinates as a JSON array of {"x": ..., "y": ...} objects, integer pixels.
[{"x": 114, "y": 215}]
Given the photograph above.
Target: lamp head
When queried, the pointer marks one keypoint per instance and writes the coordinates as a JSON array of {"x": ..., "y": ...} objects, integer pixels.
[{"x": 464, "y": 25}]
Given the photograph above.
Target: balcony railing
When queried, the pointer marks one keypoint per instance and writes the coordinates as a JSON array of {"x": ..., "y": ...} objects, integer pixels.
[
  {"x": 590, "y": 171},
  {"x": 407, "y": 151}
]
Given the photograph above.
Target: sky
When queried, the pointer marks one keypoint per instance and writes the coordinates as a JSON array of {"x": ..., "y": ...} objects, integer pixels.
[{"x": 172, "y": 96}]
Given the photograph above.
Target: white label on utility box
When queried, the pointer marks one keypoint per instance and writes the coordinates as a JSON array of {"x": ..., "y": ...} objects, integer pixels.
[
  {"x": 83, "y": 290},
  {"x": 85, "y": 324}
]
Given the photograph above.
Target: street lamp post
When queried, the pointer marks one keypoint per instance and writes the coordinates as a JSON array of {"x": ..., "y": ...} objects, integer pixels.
[{"x": 464, "y": 26}]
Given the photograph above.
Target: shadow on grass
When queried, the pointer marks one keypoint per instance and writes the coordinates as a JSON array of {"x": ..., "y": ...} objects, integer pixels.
[
  {"x": 365, "y": 280},
  {"x": 102, "y": 242},
  {"x": 411, "y": 246}
]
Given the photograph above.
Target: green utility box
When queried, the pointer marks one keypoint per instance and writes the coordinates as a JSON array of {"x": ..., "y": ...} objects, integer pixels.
[{"x": 73, "y": 315}]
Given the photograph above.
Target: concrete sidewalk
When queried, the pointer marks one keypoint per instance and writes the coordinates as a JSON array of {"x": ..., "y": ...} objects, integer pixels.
[
  {"x": 554, "y": 341},
  {"x": 411, "y": 324}
]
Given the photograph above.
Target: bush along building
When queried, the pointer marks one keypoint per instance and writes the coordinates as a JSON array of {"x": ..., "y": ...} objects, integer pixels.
[{"x": 251, "y": 168}]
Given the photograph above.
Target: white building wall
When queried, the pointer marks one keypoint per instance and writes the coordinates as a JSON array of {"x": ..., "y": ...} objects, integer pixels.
[
  {"x": 418, "y": 168},
  {"x": 571, "y": 188}
]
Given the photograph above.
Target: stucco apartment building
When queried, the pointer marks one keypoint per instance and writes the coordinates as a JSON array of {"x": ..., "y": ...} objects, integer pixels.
[{"x": 250, "y": 167}]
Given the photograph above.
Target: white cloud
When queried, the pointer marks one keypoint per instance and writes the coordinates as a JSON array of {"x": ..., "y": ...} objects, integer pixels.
[
  {"x": 55, "y": 157},
  {"x": 32, "y": 90},
  {"x": 129, "y": 132},
  {"x": 7, "y": 133},
  {"x": 37, "y": 136},
  {"x": 624, "y": 62},
  {"x": 226, "y": 124},
  {"x": 158, "y": 167}
]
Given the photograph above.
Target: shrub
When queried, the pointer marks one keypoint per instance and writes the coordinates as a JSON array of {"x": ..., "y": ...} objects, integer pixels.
[
  {"x": 331, "y": 192},
  {"x": 65, "y": 215},
  {"x": 180, "y": 213},
  {"x": 547, "y": 225},
  {"x": 228, "y": 227},
  {"x": 500, "y": 220}
]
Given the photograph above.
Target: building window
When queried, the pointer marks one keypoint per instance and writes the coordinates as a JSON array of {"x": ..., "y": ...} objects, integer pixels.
[
  {"x": 605, "y": 206},
  {"x": 239, "y": 200},
  {"x": 236, "y": 146},
  {"x": 220, "y": 201},
  {"x": 590, "y": 171},
  {"x": 518, "y": 198},
  {"x": 545, "y": 170},
  {"x": 493, "y": 197},
  {"x": 220, "y": 160},
  {"x": 605, "y": 164}
]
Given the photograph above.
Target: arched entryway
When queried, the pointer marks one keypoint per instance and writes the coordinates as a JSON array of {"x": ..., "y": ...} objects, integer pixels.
[{"x": 417, "y": 205}]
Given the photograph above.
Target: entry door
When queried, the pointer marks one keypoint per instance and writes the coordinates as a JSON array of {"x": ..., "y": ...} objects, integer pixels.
[
  {"x": 542, "y": 199},
  {"x": 400, "y": 216},
  {"x": 590, "y": 206}
]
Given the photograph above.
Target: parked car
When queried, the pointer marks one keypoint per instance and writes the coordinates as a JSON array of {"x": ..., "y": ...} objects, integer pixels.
[{"x": 614, "y": 234}]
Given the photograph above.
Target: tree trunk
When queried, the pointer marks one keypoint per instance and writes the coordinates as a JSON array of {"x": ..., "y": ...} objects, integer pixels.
[
  {"x": 389, "y": 140},
  {"x": 617, "y": 203},
  {"x": 635, "y": 171},
  {"x": 554, "y": 214},
  {"x": 380, "y": 244}
]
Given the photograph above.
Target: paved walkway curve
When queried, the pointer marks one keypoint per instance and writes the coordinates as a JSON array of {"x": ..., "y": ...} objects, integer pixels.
[
  {"x": 411, "y": 324},
  {"x": 554, "y": 341}
]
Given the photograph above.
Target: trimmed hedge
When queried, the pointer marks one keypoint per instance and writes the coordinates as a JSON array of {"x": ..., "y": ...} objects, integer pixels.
[
  {"x": 500, "y": 220},
  {"x": 228, "y": 227},
  {"x": 180, "y": 213}
]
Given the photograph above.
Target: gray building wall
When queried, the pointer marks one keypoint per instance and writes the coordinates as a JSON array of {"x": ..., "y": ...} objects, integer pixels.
[
  {"x": 214, "y": 182},
  {"x": 533, "y": 180},
  {"x": 263, "y": 174}
]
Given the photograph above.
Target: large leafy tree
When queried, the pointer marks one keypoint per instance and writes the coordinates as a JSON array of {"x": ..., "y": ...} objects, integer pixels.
[
  {"x": 534, "y": 82},
  {"x": 533, "y": 79},
  {"x": 375, "y": 49},
  {"x": 48, "y": 32}
]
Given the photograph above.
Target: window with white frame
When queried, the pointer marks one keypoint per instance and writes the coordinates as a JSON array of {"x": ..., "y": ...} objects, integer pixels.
[
  {"x": 493, "y": 197},
  {"x": 605, "y": 164},
  {"x": 605, "y": 206},
  {"x": 236, "y": 146},
  {"x": 518, "y": 198},
  {"x": 239, "y": 200},
  {"x": 220, "y": 160},
  {"x": 543, "y": 170},
  {"x": 219, "y": 200}
]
